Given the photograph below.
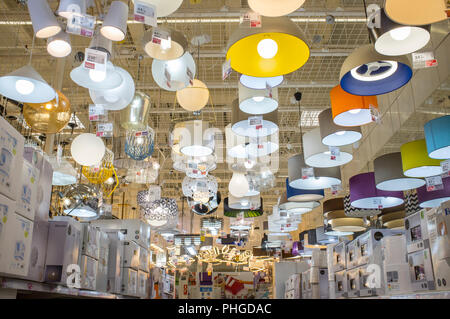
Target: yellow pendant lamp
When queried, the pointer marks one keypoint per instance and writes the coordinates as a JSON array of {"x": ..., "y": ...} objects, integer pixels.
[
  {"x": 416, "y": 12},
  {"x": 193, "y": 97},
  {"x": 416, "y": 162},
  {"x": 276, "y": 48}
]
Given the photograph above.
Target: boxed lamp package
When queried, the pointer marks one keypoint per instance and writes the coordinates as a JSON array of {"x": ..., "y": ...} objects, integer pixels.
[
  {"x": 397, "y": 279},
  {"x": 421, "y": 270},
  {"x": 91, "y": 240},
  {"x": 393, "y": 250},
  {"x": 142, "y": 289},
  {"x": 339, "y": 257},
  {"x": 115, "y": 260},
  {"x": 340, "y": 284},
  {"x": 133, "y": 229},
  {"x": 144, "y": 259},
  {"x": 416, "y": 232},
  {"x": 329, "y": 252},
  {"x": 129, "y": 282},
  {"x": 27, "y": 199},
  {"x": 293, "y": 282},
  {"x": 131, "y": 253},
  {"x": 103, "y": 258},
  {"x": 351, "y": 254},
  {"x": 319, "y": 281},
  {"x": 369, "y": 245},
  {"x": 88, "y": 267},
  {"x": 353, "y": 283},
  {"x": 306, "y": 292},
  {"x": 369, "y": 283}
]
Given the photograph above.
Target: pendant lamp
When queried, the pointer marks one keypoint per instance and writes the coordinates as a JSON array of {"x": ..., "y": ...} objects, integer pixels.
[
  {"x": 59, "y": 45},
  {"x": 140, "y": 144},
  {"x": 257, "y": 102},
  {"x": 366, "y": 72},
  {"x": 303, "y": 195},
  {"x": 351, "y": 211},
  {"x": 319, "y": 155},
  {"x": 194, "y": 97},
  {"x": 245, "y": 202},
  {"x": 323, "y": 177},
  {"x": 242, "y": 123},
  {"x": 200, "y": 189},
  {"x": 205, "y": 209},
  {"x": 195, "y": 166},
  {"x": 211, "y": 225},
  {"x": 437, "y": 137},
  {"x": 278, "y": 47},
  {"x": 114, "y": 25},
  {"x": 351, "y": 110},
  {"x": 50, "y": 117},
  {"x": 164, "y": 7},
  {"x": 100, "y": 43},
  {"x": 258, "y": 83},
  {"x": 63, "y": 172},
  {"x": 333, "y": 212},
  {"x": 431, "y": 199},
  {"x": 43, "y": 20},
  {"x": 92, "y": 80},
  {"x": 172, "y": 75},
  {"x": 389, "y": 174},
  {"x": 87, "y": 149},
  {"x": 238, "y": 185},
  {"x": 416, "y": 12},
  {"x": 160, "y": 212},
  {"x": 393, "y": 218},
  {"x": 244, "y": 224},
  {"x": 270, "y": 8},
  {"x": 68, "y": 7},
  {"x": 118, "y": 97},
  {"x": 248, "y": 213},
  {"x": 328, "y": 231},
  {"x": 235, "y": 144},
  {"x": 135, "y": 115},
  {"x": 142, "y": 175},
  {"x": 416, "y": 162},
  {"x": 335, "y": 135},
  {"x": 392, "y": 38},
  {"x": 364, "y": 194},
  {"x": 194, "y": 139},
  {"x": 148, "y": 196},
  {"x": 296, "y": 208},
  {"x": 349, "y": 224},
  {"x": 178, "y": 45},
  {"x": 26, "y": 85},
  {"x": 82, "y": 201},
  {"x": 100, "y": 173}
]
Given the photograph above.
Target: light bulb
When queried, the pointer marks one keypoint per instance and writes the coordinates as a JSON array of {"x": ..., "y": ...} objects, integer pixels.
[
  {"x": 139, "y": 140},
  {"x": 24, "y": 87},
  {"x": 340, "y": 133},
  {"x": 258, "y": 98},
  {"x": 59, "y": 48},
  {"x": 401, "y": 33},
  {"x": 66, "y": 201},
  {"x": 155, "y": 165},
  {"x": 267, "y": 48},
  {"x": 355, "y": 111},
  {"x": 97, "y": 76},
  {"x": 48, "y": 106},
  {"x": 110, "y": 181},
  {"x": 166, "y": 44}
]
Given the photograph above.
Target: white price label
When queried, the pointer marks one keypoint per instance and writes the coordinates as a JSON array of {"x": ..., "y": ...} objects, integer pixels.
[
  {"x": 268, "y": 90},
  {"x": 375, "y": 114},
  {"x": 145, "y": 13},
  {"x": 80, "y": 24},
  {"x": 334, "y": 153},
  {"x": 160, "y": 35},
  {"x": 105, "y": 129},
  {"x": 192, "y": 165},
  {"x": 335, "y": 189},
  {"x": 423, "y": 60},
  {"x": 97, "y": 112},
  {"x": 377, "y": 203},
  {"x": 256, "y": 121},
  {"x": 95, "y": 60},
  {"x": 226, "y": 69},
  {"x": 445, "y": 168},
  {"x": 434, "y": 183},
  {"x": 251, "y": 18},
  {"x": 307, "y": 172}
]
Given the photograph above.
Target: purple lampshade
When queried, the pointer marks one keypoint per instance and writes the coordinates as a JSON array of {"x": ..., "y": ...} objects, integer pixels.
[
  {"x": 364, "y": 194},
  {"x": 430, "y": 199},
  {"x": 295, "y": 247},
  {"x": 205, "y": 279}
]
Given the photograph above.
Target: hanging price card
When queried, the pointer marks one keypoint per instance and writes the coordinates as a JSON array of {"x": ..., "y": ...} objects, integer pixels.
[
  {"x": 335, "y": 189},
  {"x": 168, "y": 77},
  {"x": 80, "y": 24},
  {"x": 377, "y": 203},
  {"x": 307, "y": 172},
  {"x": 256, "y": 122},
  {"x": 268, "y": 90},
  {"x": 161, "y": 37},
  {"x": 226, "y": 69},
  {"x": 145, "y": 13},
  {"x": 434, "y": 183},
  {"x": 334, "y": 153},
  {"x": 105, "y": 129},
  {"x": 423, "y": 60},
  {"x": 190, "y": 76},
  {"x": 445, "y": 168},
  {"x": 97, "y": 112},
  {"x": 95, "y": 60}
]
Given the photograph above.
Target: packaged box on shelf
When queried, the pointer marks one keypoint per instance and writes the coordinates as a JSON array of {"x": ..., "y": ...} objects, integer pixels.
[
  {"x": 329, "y": 253},
  {"x": 142, "y": 289},
  {"x": 370, "y": 283},
  {"x": 306, "y": 285},
  {"x": 320, "y": 278},
  {"x": 319, "y": 258},
  {"x": 397, "y": 279},
  {"x": 131, "y": 253},
  {"x": 91, "y": 240},
  {"x": 129, "y": 282},
  {"x": 339, "y": 257},
  {"x": 88, "y": 267},
  {"x": 351, "y": 254},
  {"x": 393, "y": 250},
  {"x": 115, "y": 261},
  {"x": 293, "y": 282},
  {"x": 27, "y": 201},
  {"x": 63, "y": 248},
  {"x": 369, "y": 245},
  {"x": 144, "y": 259},
  {"x": 332, "y": 288},
  {"x": 421, "y": 270},
  {"x": 340, "y": 284},
  {"x": 11, "y": 159},
  {"x": 292, "y": 294},
  {"x": 416, "y": 232},
  {"x": 103, "y": 258},
  {"x": 353, "y": 283},
  {"x": 133, "y": 229}
]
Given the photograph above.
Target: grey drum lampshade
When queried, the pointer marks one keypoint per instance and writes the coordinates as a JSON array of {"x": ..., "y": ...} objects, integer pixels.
[
  {"x": 44, "y": 21},
  {"x": 114, "y": 25},
  {"x": 296, "y": 208},
  {"x": 335, "y": 135},
  {"x": 178, "y": 46},
  {"x": 389, "y": 174},
  {"x": 258, "y": 102}
]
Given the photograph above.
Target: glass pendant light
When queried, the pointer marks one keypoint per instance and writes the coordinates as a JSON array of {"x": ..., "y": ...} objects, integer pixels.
[
  {"x": 205, "y": 209},
  {"x": 270, "y": 8},
  {"x": 434, "y": 198},
  {"x": 68, "y": 7},
  {"x": 194, "y": 97},
  {"x": 200, "y": 189},
  {"x": 416, "y": 162},
  {"x": 135, "y": 115},
  {"x": 194, "y": 166},
  {"x": 87, "y": 149},
  {"x": 257, "y": 102},
  {"x": 247, "y": 213},
  {"x": 82, "y": 201},
  {"x": 172, "y": 75},
  {"x": 303, "y": 195},
  {"x": 114, "y": 25},
  {"x": 246, "y": 202},
  {"x": 43, "y": 20},
  {"x": 164, "y": 7},
  {"x": 178, "y": 45},
  {"x": 416, "y": 12},
  {"x": 97, "y": 81},
  {"x": 258, "y": 83},
  {"x": 160, "y": 212},
  {"x": 195, "y": 138},
  {"x": 139, "y": 144},
  {"x": 437, "y": 137},
  {"x": 59, "y": 45},
  {"x": 334, "y": 135}
]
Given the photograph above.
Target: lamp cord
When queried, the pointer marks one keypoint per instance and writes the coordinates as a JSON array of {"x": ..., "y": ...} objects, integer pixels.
[
  {"x": 300, "y": 126},
  {"x": 32, "y": 46}
]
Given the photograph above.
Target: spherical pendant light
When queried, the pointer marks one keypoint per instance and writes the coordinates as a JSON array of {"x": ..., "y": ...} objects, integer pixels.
[
  {"x": 257, "y": 102},
  {"x": 270, "y": 8},
  {"x": 116, "y": 98},
  {"x": 389, "y": 174},
  {"x": 178, "y": 45},
  {"x": 68, "y": 7},
  {"x": 238, "y": 185},
  {"x": 416, "y": 162},
  {"x": 87, "y": 149},
  {"x": 59, "y": 45},
  {"x": 437, "y": 137},
  {"x": 193, "y": 97},
  {"x": 87, "y": 79},
  {"x": 259, "y": 83},
  {"x": 276, "y": 48},
  {"x": 366, "y": 72},
  {"x": 114, "y": 25},
  {"x": 194, "y": 139},
  {"x": 416, "y": 12},
  {"x": 43, "y": 20},
  {"x": 334, "y": 135},
  {"x": 135, "y": 115},
  {"x": 241, "y": 124},
  {"x": 82, "y": 201},
  {"x": 164, "y": 7},
  {"x": 177, "y": 71},
  {"x": 431, "y": 199},
  {"x": 392, "y": 38},
  {"x": 303, "y": 195}
]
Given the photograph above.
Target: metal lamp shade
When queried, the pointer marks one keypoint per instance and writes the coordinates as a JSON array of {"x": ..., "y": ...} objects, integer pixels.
[
  {"x": 135, "y": 115},
  {"x": 431, "y": 199},
  {"x": 257, "y": 102},
  {"x": 43, "y": 20},
  {"x": 303, "y": 195},
  {"x": 160, "y": 212},
  {"x": 82, "y": 201},
  {"x": 59, "y": 45},
  {"x": 437, "y": 137},
  {"x": 68, "y": 7},
  {"x": 178, "y": 47},
  {"x": 416, "y": 12},
  {"x": 114, "y": 25},
  {"x": 366, "y": 72},
  {"x": 87, "y": 149},
  {"x": 113, "y": 78},
  {"x": 241, "y": 126},
  {"x": 176, "y": 70},
  {"x": 164, "y": 7},
  {"x": 364, "y": 194},
  {"x": 258, "y": 83},
  {"x": 335, "y": 135},
  {"x": 194, "y": 139},
  {"x": 50, "y": 117},
  {"x": 416, "y": 162},
  {"x": 98, "y": 174},
  {"x": 270, "y": 8},
  {"x": 194, "y": 97}
]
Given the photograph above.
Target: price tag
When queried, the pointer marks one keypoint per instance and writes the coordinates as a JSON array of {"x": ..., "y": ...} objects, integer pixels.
[
  {"x": 334, "y": 153},
  {"x": 97, "y": 112},
  {"x": 192, "y": 165},
  {"x": 445, "y": 168},
  {"x": 226, "y": 69},
  {"x": 423, "y": 60},
  {"x": 377, "y": 203},
  {"x": 105, "y": 129},
  {"x": 268, "y": 90},
  {"x": 190, "y": 76},
  {"x": 335, "y": 189},
  {"x": 145, "y": 13},
  {"x": 95, "y": 60},
  {"x": 434, "y": 183},
  {"x": 168, "y": 77},
  {"x": 375, "y": 114},
  {"x": 252, "y": 19},
  {"x": 256, "y": 121},
  {"x": 307, "y": 172},
  {"x": 161, "y": 37},
  {"x": 80, "y": 24},
  {"x": 141, "y": 133}
]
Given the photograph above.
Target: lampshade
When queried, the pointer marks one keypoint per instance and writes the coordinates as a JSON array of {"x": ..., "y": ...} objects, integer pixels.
[
  {"x": 50, "y": 117},
  {"x": 303, "y": 195},
  {"x": 393, "y": 218},
  {"x": 333, "y": 209},
  {"x": 42, "y": 18},
  {"x": 87, "y": 79},
  {"x": 437, "y": 137},
  {"x": 205, "y": 209},
  {"x": 364, "y": 194},
  {"x": 241, "y": 124},
  {"x": 82, "y": 201},
  {"x": 276, "y": 48},
  {"x": 142, "y": 175},
  {"x": 114, "y": 25},
  {"x": 164, "y": 7},
  {"x": 416, "y": 12},
  {"x": 351, "y": 110},
  {"x": 328, "y": 230},
  {"x": 100, "y": 43},
  {"x": 116, "y": 98},
  {"x": 392, "y": 38},
  {"x": 59, "y": 45},
  {"x": 257, "y": 102},
  {"x": 178, "y": 45},
  {"x": 335, "y": 135},
  {"x": 366, "y": 72},
  {"x": 431, "y": 199},
  {"x": 195, "y": 139},
  {"x": 194, "y": 97},
  {"x": 211, "y": 225},
  {"x": 270, "y": 8},
  {"x": 99, "y": 173},
  {"x": 319, "y": 155},
  {"x": 176, "y": 70},
  {"x": 200, "y": 189},
  {"x": 348, "y": 224},
  {"x": 333, "y": 204},
  {"x": 160, "y": 212},
  {"x": 241, "y": 148},
  {"x": 68, "y": 7},
  {"x": 87, "y": 149},
  {"x": 148, "y": 196},
  {"x": 63, "y": 172},
  {"x": 296, "y": 208},
  {"x": 241, "y": 224},
  {"x": 135, "y": 115},
  {"x": 26, "y": 85},
  {"x": 131, "y": 163},
  {"x": 247, "y": 213},
  {"x": 238, "y": 185},
  {"x": 416, "y": 162},
  {"x": 258, "y": 83},
  {"x": 140, "y": 144},
  {"x": 245, "y": 202},
  {"x": 389, "y": 174},
  {"x": 351, "y": 211},
  {"x": 195, "y": 167},
  {"x": 323, "y": 177}
]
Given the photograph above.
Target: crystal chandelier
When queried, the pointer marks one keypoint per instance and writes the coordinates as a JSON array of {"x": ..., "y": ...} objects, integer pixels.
[
  {"x": 200, "y": 189},
  {"x": 139, "y": 144}
]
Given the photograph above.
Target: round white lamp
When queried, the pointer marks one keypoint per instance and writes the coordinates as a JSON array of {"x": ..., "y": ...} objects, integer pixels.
[
  {"x": 238, "y": 186},
  {"x": 193, "y": 97},
  {"x": 87, "y": 149},
  {"x": 176, "y": 70}
]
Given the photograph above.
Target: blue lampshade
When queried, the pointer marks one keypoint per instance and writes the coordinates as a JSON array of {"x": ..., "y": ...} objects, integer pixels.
[
  {"x": 303, "y": 195},
  {"x": 437, "y": 137}
]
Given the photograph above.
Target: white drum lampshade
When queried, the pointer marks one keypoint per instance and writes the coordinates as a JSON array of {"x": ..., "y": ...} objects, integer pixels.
[
  {"x": 178, "y": 45},
  {"x": 257, "y": 83},
  {"x": 114, "y": 25},
  {"x": 270, "y": 8},
  {"x": 257, "y": 102},
  {"x": 68, "y": 7},
  {"x": 193, "y": 97},
  {"x": 164, "y": 7},
  {"x": 194, "y": 139},
  {"x": 44, "y": 21},
  {"x": 87, "y": 149},
  {"x": 177, "y": 70},
  {"x": 245, "y": 202},
  {"x": 335, "y": 135},
  {"x": 238, "y": 186},
  {"x": 92, "y": 80},
  {"x": 59, "y": 45}
]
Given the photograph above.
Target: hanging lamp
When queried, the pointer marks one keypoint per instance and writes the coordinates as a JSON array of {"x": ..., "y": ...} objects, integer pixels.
[
  {"x": 270, "y": 8},
  {"x": 200, "y": 189},
  {"x": 242, "y": 123},
  {"x": 172, "y": 75},
  {"x": 100, "y": 173},
  {"x": 194, "y": 166},
  {"x": 82, "y": 201},
  {"x": 334, "y": 214},
  {"x": 296, "y": 208},
  {"x": 238, "y": 185},
  {"x": 114, "y": 25},
  {"x": 160, "y": 212},
  {"x": 434, "y": 198},
  {"x": 303, "y": 195},
  {"x": 257, "y": 102},
  {"x": 416, "y": 162},
  {"x": 140, "y": 144},
  {"x": 246, "y": 202},
  {"x": 178, "y": 45},
  {"x": 258, "y": 83},
  {"x": 194, "y": 138},
  {"x": 416, "y": 12},
  {"x": 59, "y": 45},
  {"x": 68, "y": 7},
  {"x": 164, "y": 7},
  {"x": 135, "y": 115},
  {"x": 437, "y": 137},
  {"x": 43, "y": 20},
  {"x": 351, "y": 211},
  {"x": 247, "y": 213},
  {"x": 205, "y": 209},
  {"x": 87, "y": 149},
  {"x": 335, "y": 135},
  {"x": 97, "y": 80},
  {"x": 194, "y": 97}
]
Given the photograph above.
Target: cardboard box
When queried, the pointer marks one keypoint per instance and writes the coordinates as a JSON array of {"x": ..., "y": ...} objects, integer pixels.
[
  {"x": 369, "y": 245},
  {"x": 142, "y": 289},
  {"x": 293, "y": 283},
  {"x": 91, "y": 241},
  {"x": 115, "y": 261},
  {"x": 88, "y": 267},
  {"x": 351, "y": 254},
  {"x": 416, "y": 232},
  {"x": 393, "y": 250},
  {"x": 27, "y": 200},
  {"x": 103, "y": 258},
  {"x": 353, "y": 283},
  {"x": 340, "y": 284},
  {"x": 133, "y": 229},
  {"x": 397, "y": 279},
  {"x": 339, "y": 257},
  {"x": 129, "y": 282},
  {"x": 131, "y": 255},
  {"x": 368, "y": 284},
  {"x": 421, "y": 270},
  {"x": 144, "y": 259}
]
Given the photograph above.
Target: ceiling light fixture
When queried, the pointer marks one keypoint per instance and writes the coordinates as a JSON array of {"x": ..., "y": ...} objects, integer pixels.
[
  {"x": 437, "y": 137},
  {"x": 172, "y": 75},
  {"x": 59, "y": 45},
  {"x": 334, "y": 135},
  {"x": 87, "y": 149},
  {"x": 271, "y": 8},
  {"x": 44, "y": 21},
  {"x": 114, "y": 25},
  {"x": 416, "y": 12},
  {"x": 416, "y": 162}
]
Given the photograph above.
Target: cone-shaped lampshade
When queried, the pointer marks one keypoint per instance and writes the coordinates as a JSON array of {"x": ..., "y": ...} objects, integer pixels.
[
  {"x": 87, "y": 149},
  {"x": 178, "y": 45},
  {"x": 89, "y": 80},
  {"x": 256, "y": 83},
  {"x": 416, "y": 12},
  {"x": 59, "y": 45},
  {"x": 349, "y": 109},
  {"x": 366, "y": 72},
  {"x": 193, "y": 97},
  {"x": 114, "y": 25},
  {"x": 430, "y": 199},
  {"x": 100, "y": 43},
  {"x": 389, "y": 174},
  {"x": 335, "y": 135},
  {"x": 135, "y": 115},
  {"x": 257, "y": 102},
  {"x": 241, "y": 124},
  {"x": 176, "y": 71},
  {"x": 416, "y": 162},
  {"x": 44, "y": 21},
  {"x": 270, "y": 8},
  {"x": 437, "y": 137},
  {"x": 68, "y": 7},
  {"x": 26, "y": 85},
  {"x": 195, "y": 140},
  {"x": 303, "y": 195},
  {"x": 164, "y": 7},
  {"x": 276, "y": 48}
]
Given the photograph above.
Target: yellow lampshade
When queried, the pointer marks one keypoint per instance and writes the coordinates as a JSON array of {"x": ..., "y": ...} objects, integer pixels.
[
  {"x": 193, "y": 97},
  {"x": 276, "y": 48},
  {"x": 100, "y": 173},
  {"x": 416, "y": 12},
  {"x": 270, "y": 8},
  {"x": 416, "y": 162},
  {"x": 50, "y": 117}
]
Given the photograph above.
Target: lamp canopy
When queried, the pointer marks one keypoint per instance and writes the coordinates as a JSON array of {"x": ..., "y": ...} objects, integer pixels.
[
  {"x": 416, "y": 162},
  {"x": 335, "y": 135},
  {"x": 437, "y": 137},
  {"x": 416, "y": 12}
]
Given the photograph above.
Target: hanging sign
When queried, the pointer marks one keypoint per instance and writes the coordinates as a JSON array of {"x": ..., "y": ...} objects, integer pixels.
[
  {"x": 334, "y": 153},
  {"x": 434, "y": 183},
  {"x": 307, "y": 172},
  {"x": 95, "y": 60},
  {"x": 375, "y": 114},
  {"x": 190, "y": 76},
  {"x": 252, "y": 19},
  {"x": 80, "y": 24},
  {"x": 423, "y": 60},
  {"x": 97, "y": 112},
  {"x": 335, "y": 189},
  {"x": 105, "y": 129},
  {"x": 226, "y": 69},
  {"x": 145, "y": 12},
  {"x": 161, "y": 37},
  {"x": 445, "y": 168},
  {"x": 256, "y": 122}
]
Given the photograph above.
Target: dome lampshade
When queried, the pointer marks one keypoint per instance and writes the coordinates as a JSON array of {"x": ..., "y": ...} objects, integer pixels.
[
  {"x": 257, "y": 83},
  {"x": 431, "y": 199},
  {"x": 87, "y": 149},
  {"x": 303, "y": 195},
  {"x": 95, "y": 81},
  {"x": 193, "y": 97},
  {"x": 164, "y": 7},
  {"x": 416, "y": 162},
  {"x": 43, "y": 20},
  {"x": 242, "y": 126},
  {"x": 176, "y": 70},
  {"x": 334, "y": 135},
  {"x": 270, "y": 8},
  {"x": 257, "y": 102},
  {"x": 437, "y": 137},
  {"x": 135, "y": 115},
  {"x": 416, "y": 12},
  {"x": 114, "y": 25},
  {"x": 178, "y": 45}
]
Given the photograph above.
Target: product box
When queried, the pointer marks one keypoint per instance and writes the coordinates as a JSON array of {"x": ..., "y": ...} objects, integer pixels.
[
  {"x": 370, "y": 284},
  {"x": 322, "y": 281},
  {"x": 340, "y": 284},
  {"x": 421, "y": 270},
  {"x": 339, "y": 257},
  {"x": 353, "y": 283},
  {"x": 129, "y": 282},
  {"x": 293, "y": 282},
  {"x": 397, "y": 279},
  {"x": 133, "y": 229},
  {"x": 369, "y": 245},
  {"x": 416, "y": 232},
  {"x": 115, "y": 260},
  {"x": 131, "y": 253},
  {"x": 91, "y": 241},
  {"x": 329, "y": 253},
  {"x": 144, "y": 259},
  {"x": 393, "y": 250},
  {"x": 88, "y": 267},
  {"x": 306, "y": 285},
  {"x": 11, "y": 159},
  {"x": 27, "y": 199},
  {"x": 142, "y": 288},
  {"x": 351, "y": 254},
  {"x": 103, "y": 258}
]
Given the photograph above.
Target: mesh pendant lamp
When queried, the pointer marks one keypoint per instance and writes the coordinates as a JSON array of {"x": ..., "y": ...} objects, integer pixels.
[
  {"x": 389, "y": 174},
  {"x": 257, "y": 102},
  {"x": 68, "y": 7},
  {"x": 176, "y": 70},
  {"x": 437, "y": 137},
  {"x": 351, "y": 110},
  {"x": 114, "y": 25},
  {"x": 303, "y": 195},
  {"x": 416, "y": 12},
  {"x": 258, "y": 83},
  {"x": 431, "y": 199},
  {"x": 42, "y": 18},
  {"x": 276, "y": 48},
  {"x": 366, "y": 72},
  {"x": 135, "y": 115},
  {"x": 416, "y": 162},
  {"x": 178, "y": 45},
  {"x": 241, "y": 124},
  {"x": 194, "y": 139},
  {"x": 270, "y": 8},
  {"x": 335, "y": 135},
  {"x": 87, "y": 79},
  {"x": 164, "y": 7},
  {"x": 140, "y": 144},
  {"x": 194, "y": 97},
  {"x": 59, "y": 45}
]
